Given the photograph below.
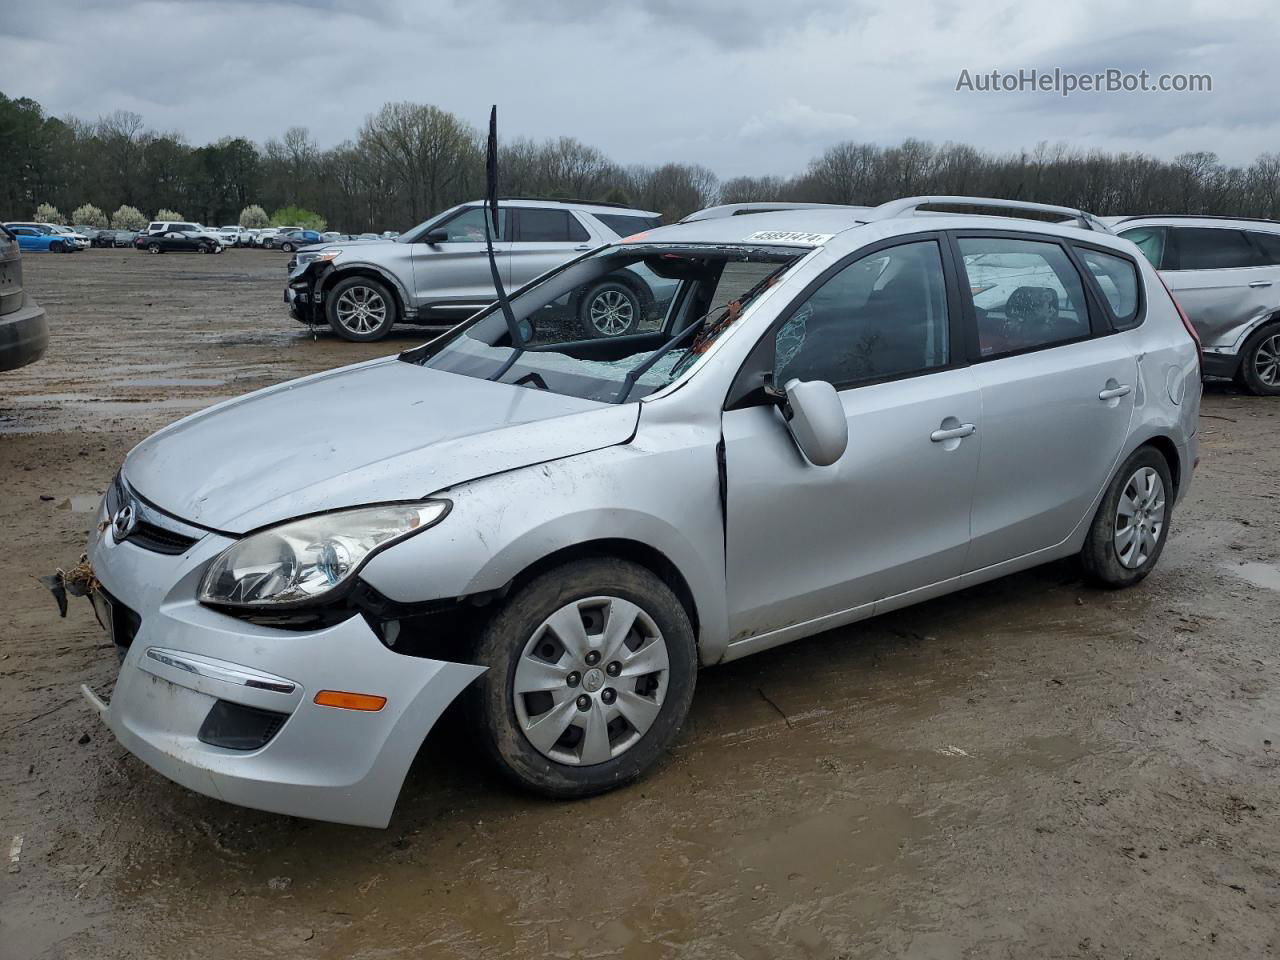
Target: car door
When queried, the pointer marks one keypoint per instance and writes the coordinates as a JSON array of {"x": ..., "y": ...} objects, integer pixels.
[
  {"x": 1057, "y": 395},
  {"x": 1220, "y": 279},
  {"x": 453, "y": 277},
  {"x": 28, "y": 239},
  {"x": 892, "y": 514},
  {"x": 543, "y": 239}
]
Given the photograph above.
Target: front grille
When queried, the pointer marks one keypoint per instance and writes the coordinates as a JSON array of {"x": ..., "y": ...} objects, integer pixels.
[
  {"x": 234, "y": 726},
  {"x": 159, "y": 540}
]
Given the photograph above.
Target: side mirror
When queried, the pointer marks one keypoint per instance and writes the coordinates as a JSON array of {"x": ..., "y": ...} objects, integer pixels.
[
  {"x": 436, "y": 236},
  {"x": 816, "y": 419}
]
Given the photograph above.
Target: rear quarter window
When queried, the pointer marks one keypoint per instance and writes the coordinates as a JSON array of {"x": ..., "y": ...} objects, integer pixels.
[
  {"x": 1117, "y": 278},
  {"x": 624, "y": 225}
]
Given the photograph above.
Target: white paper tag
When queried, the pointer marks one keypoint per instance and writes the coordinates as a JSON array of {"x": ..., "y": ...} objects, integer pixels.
[{"x": 790, "y": 236}]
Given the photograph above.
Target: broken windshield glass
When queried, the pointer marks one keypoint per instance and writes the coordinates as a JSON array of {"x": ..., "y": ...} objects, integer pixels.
[{"x": 617, "y": 324}]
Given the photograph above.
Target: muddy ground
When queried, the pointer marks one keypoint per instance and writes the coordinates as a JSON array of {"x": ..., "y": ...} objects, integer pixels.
[{"x": 1031, "y": 768}]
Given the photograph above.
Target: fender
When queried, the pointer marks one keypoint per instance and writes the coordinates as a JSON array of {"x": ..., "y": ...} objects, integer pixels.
[{"x": 335, "y": 273}]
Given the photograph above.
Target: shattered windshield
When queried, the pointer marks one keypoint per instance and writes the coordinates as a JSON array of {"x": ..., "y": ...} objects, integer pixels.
[{"x": 617, "y": 324}]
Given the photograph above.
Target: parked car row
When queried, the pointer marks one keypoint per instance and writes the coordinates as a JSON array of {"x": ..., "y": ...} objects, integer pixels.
[{"x": 46, "y": 237}]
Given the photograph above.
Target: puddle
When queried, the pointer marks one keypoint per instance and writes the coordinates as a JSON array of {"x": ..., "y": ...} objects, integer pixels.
[{"x": 1259, "y": 574}]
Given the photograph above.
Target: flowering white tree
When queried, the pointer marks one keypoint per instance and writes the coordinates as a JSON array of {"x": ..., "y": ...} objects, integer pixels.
[
  {"x": 88, "y": 215},
  {"x": 128, "y": 218},
  {"x": 48, "y": 213},
  {"x": 169, "y": 215},
  {"x": 253, "y": 217}
]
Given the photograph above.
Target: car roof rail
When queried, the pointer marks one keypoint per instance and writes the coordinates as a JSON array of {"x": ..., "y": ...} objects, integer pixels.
[
  {"x": 574, "y": 200},
  {"x": 1194, "y": 216},
  {"x": 898, "y": 208},
  {"x": 760, "y": 206}
]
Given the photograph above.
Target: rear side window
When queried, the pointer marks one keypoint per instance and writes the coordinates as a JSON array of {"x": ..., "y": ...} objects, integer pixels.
[
  {"x": 1151, "y": 241},
  {"x": 881, "y": 317},
  {"x": 536, "y": 225},
  {"x": 1118, "y": 280},
  {"x": 1026, "y": 295},
  {"x": 1208, "y": 248},
  {"x": 624, "y": 225},
  {"x": 1269, "y": 244}
]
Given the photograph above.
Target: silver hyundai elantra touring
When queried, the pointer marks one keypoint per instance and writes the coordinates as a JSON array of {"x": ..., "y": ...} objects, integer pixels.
[{"x": 832, "y": 421}]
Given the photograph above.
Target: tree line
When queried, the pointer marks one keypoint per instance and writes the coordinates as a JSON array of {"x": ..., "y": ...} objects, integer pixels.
[{"x": 409, "y": 160}]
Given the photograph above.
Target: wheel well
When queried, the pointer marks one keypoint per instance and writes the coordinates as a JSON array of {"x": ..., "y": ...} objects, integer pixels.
[
  {"x": 1169, "y": 450},
  {"x": 638, "y": 553},
  {"x": 340, "y": 275}
]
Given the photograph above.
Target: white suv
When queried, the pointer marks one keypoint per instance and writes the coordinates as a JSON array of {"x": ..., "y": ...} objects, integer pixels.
[
  {"x": 1226, "y": 275},
  {"x": 438, "y": 273}
]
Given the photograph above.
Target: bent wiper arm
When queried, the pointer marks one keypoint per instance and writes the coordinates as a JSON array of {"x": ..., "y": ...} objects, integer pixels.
[{"x": 636, "y": 372}]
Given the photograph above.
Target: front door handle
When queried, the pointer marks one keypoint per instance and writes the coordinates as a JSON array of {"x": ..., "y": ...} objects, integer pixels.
[
  {"x": 1112, "y": 393},
  {"x": 953, "y": 433},
  {"x": 1259, "y": 283},
  {"x": 583, "y": 246}
]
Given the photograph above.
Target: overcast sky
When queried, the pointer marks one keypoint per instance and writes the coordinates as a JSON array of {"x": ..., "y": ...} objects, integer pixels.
[{"x": 741, "y": 86}]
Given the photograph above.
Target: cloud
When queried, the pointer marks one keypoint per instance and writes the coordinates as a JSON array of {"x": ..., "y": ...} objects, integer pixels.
[{"x": 799, "y": 121}]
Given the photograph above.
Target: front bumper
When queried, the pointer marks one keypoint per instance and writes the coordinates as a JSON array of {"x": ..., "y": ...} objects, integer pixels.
[
  {"x": 323, "y": 763},
  {"x": 24, "y": 336}
]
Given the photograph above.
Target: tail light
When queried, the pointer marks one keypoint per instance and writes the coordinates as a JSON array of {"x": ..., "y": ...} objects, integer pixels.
[{"x": 1186, "y": 322}]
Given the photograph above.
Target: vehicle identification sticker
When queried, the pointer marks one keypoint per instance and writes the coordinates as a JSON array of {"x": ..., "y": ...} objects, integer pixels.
[{"x": 789, "y": 236}]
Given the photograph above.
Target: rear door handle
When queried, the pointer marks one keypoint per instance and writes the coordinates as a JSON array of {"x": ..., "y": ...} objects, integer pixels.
[
  {"x": 953, "y": 433},
  {"x": 1112, "y": 392},
  {"x": 1259, "y": 283}
]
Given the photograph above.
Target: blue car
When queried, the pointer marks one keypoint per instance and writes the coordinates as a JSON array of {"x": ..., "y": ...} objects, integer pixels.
[{"x": 33, "y": 238}]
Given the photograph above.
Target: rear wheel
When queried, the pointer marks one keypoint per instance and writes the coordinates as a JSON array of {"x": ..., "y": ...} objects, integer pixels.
[
  {"x": 591, "y": 672},
  {"x": 609, "y": 309},
  {"x": 360, "y": 309},
  {"x": 1132, "y": 523},
  {"x": 1260, "y": 363},
  {"x": 287, "y": 247}
]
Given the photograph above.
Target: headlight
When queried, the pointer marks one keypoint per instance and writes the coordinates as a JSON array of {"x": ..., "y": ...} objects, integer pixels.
[
  {"x": 299, "y": 562},
  {"x": 324, "y": 256}
]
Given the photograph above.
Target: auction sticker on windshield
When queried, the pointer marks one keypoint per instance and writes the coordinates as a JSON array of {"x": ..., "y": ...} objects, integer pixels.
[{"x": 789, "y": 236}]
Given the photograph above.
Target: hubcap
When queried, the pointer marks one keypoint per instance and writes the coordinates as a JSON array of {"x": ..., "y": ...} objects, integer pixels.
[
  {"x": 611, "y": 312},
  {"x": 1139, "y": 518},
  {"x": 361, "y": 309},
  {"x": 576, "y": 713},
  {"x": 1266, "y": 361}
]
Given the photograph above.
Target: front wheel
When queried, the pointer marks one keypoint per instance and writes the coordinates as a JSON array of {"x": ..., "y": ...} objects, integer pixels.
[
  {"x": 610, "y": 309},
  {"x": 58, "y": 247},
  {"x": 1132, "y": 523},
  {"x": 1260, "y": 363},
  {"x": 153, "y": 248},
  {"x": 360, "y": 309},
  {"x": 591, "y": 672}
]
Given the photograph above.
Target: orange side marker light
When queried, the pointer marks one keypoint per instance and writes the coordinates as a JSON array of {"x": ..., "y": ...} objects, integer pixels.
[{"x": 350, "y": 701}]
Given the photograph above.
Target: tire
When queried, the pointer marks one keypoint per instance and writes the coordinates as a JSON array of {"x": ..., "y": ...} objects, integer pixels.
[
  {"x": 519, "y": 634},
  {"x": 1140, "y": 498},
  {"x": 287, "y": 247},
  {"x": 1260, "y": 362},
  {"x": 204, "y": 248},
  {"x": 609, "y": 309},
  {"x": 58, "y": 247},
  {"x": 360, "y": 309},
  {"x": 153, "y": 248}
]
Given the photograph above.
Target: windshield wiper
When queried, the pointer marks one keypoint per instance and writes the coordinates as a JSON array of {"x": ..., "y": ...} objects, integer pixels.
[{"x": 743, "y": 301}]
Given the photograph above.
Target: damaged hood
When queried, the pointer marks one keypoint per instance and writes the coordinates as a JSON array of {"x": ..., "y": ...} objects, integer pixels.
[{"x": 370, "y": 433}]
